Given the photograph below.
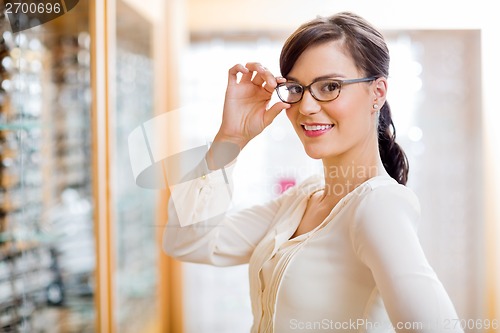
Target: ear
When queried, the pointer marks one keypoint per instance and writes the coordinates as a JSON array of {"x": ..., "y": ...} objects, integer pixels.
[{"x": 379, "y": 91}]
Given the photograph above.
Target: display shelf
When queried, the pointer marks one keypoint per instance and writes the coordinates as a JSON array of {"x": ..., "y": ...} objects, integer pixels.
[
  {"x": 45, "y": 118},
  {"x": 27, "y": 272},
  {"x": 44, "y": 156},
  {"x": 20, "y": 126}
]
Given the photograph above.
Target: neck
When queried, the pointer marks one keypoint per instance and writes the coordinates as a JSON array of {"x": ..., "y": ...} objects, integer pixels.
[{"x": 343, "y": 173}]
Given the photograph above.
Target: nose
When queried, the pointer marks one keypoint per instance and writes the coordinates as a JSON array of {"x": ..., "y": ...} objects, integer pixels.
[{"x": 308, "y": 105}]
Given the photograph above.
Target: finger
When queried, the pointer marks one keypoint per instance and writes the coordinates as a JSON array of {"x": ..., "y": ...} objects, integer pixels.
[
  {"x": 233, "y": 73},
  {"x": 274, "y": 111},
  {"x": 268, "y": 78},
  {"x": 262, "y": 76},
  {"x": 247, "y": 77},
  {"x": 259, "y": 68},
  {"x": 254, "y": 66},
  {"x": 265, "y": 76},
  {"x": 280, "y": 79},
  {"x": 258, "y": 80},
  {"x": 269, "y": 88}
]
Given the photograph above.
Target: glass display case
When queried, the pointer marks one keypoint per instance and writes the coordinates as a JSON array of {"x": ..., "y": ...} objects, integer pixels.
[
  {"x": 47, "y": 257},
  {"x": 134, "y": 226},
  {"x": 79, "y": 240}
]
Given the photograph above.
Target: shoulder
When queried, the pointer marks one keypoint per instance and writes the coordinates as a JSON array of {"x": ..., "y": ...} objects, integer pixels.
[
  {"x": 387, "y": 191},
  {"x": 385, "y": 200},
  {"x": 386, "y": 213}
]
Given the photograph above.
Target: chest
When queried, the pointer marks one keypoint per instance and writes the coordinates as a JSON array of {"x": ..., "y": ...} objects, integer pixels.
[
  {"x": 314, "y": 215},
  {"x": 320, "y": 279}
]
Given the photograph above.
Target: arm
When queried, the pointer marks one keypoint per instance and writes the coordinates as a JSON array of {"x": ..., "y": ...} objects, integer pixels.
[
  {"x": 201, "y": 230},
  {"x": 385, "y": 239},
  {"x": 199, "y": 227}
]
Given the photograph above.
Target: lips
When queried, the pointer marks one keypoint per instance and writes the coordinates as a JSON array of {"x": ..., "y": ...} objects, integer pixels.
[{"x": 316, "y": 129}]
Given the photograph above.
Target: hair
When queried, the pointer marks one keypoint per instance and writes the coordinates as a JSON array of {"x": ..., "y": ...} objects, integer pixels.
[{"x": 367, "y": 47}]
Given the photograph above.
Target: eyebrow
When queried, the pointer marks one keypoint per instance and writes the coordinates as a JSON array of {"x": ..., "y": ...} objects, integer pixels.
[{"x": 328, "y": 76}]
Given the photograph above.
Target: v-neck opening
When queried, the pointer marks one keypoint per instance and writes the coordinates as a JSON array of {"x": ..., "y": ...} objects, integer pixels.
[{"x": 342, "y": 202}]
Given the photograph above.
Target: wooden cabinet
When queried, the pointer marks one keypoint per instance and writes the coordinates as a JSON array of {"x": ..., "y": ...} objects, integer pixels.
[
  {"x": 80, "y": 241},
  {"x": 131, "y": 75}
]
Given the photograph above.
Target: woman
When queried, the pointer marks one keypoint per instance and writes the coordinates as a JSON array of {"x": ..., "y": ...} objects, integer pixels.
[{"x": 339, "y": 253}]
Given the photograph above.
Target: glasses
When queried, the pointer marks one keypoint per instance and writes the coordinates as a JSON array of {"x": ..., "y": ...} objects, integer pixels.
[{"x": 323, "y": 90}]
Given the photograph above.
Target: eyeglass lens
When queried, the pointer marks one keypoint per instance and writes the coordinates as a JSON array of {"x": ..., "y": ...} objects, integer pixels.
[{"x": 324, "y": 90}]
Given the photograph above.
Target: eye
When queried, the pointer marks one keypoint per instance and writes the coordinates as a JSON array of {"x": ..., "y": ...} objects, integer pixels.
[
  {"x": 294, "y": 89},
  {"x": 329, "y": 86}
]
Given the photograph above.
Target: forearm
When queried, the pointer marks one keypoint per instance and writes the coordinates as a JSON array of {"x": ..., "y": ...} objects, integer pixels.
[
  {"x": 197, "y": 206},
  {"x": 223, "y": 150}
]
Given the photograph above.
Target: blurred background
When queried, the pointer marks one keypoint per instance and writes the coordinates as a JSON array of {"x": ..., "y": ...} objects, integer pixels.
[{"x": 80, "y": 242}]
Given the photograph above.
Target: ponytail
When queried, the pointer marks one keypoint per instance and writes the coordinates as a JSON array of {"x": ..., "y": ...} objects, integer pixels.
[{"x": 393, "y": 157}]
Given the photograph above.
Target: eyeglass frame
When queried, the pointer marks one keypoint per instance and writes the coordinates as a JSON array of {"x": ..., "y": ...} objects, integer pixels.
[{"x": 341, "y": 84}]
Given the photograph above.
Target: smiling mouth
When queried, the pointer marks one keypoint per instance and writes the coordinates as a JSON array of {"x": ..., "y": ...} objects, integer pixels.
[
  {"x": 316, "y": 127},
  {"x": 316, "y": 130}
]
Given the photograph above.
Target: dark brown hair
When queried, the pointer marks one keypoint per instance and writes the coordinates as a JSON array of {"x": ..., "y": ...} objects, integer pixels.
[{"x": 367, "y": 47}]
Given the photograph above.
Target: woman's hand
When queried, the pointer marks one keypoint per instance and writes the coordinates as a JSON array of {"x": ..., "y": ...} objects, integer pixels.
[{"x": 245, "y": 114}]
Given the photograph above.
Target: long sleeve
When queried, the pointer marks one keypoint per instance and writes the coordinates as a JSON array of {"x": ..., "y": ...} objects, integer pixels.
[
  {"x": 384, "y": 236},
  {"x": 202, "y": 228}
]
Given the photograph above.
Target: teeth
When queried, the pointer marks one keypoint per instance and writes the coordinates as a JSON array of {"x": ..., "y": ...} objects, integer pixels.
[{"x": 317, "y": 127}]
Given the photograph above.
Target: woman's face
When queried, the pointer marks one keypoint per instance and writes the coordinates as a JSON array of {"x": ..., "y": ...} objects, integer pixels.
[{"x": 351, "y": 116}]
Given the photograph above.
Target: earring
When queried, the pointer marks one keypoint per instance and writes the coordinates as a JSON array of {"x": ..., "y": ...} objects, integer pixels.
[{"x": 375, "y": 106}]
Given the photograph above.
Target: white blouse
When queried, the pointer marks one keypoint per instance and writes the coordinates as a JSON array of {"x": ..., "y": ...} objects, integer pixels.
[{"x": 361, "y": 270}]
